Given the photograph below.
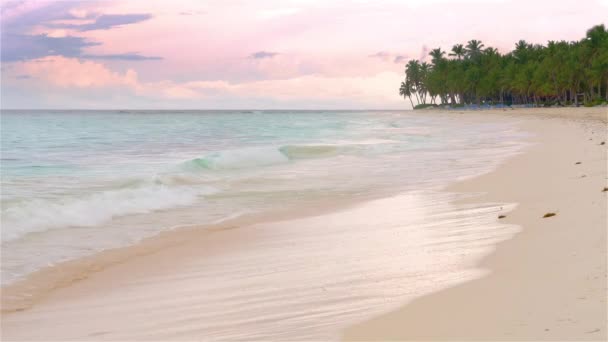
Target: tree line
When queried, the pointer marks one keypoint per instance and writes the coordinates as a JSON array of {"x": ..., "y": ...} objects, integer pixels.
[{"x": 560, "y": 73}]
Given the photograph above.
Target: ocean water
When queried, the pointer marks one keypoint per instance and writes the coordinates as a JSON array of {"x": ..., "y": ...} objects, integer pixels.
[{"x": 77, "y": 182}]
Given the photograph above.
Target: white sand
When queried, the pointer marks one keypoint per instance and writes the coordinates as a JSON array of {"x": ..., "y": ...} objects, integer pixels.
[{"x": 549, "y": 282}]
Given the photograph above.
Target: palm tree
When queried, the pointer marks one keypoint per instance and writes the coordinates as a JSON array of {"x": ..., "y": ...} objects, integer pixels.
[
  {"x": 412, "y": 76},
  {"x": 474, "y": 48},
  {"x": 555, "y": 73},
  {"x": 521, "y": 50},
  {"x": 521, "y": 45},
  {"x": 404, "y": 90},
  {"x": 437, "y": 55},
  {"x": 458, "y": 51},
  {"x": 597, "y": 59},
  {"x": 490, "y": 51},
  {"x": 596, "y": 35},
  {"x": 425, "y": 69}
]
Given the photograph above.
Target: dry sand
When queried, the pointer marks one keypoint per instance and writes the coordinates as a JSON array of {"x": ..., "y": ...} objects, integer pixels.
[{"x": 549, "y": 282}]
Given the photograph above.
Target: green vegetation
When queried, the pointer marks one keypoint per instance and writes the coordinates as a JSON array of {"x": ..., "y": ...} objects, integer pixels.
[
  {"x": 560, "y": 73},
  {"x": 424, "y": 105}
]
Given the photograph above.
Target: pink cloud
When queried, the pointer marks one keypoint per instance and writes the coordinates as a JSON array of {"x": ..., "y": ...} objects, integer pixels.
[
  {"x": 70, "y": 72},
  {"x": 323, "y": 47},
  {"x": 76, "y": 74}
]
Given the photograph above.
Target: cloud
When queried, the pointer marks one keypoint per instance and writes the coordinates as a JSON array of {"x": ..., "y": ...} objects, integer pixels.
[
  {"x": 399, "y": 59},
  {"x": 9, "y": 6},
  {"x": 19, "y": 16},
  {"x": 70, "y": 72},
  {"x": 123, "y": 57},
  {"x": 16, "y": 47},
  {"x": 52, "y": 21},
  {"x": 381, "y": 54},
  {"x": 386, "y": 56},
  {"x": 263, "y": 54},
  {"x": 23, "y": 77},
  {"x": 192, "y": 13},
  {"x": 61, "y": 75},
  {"x": 105, "y": 22},
  {"x": 22, "y": 47}
]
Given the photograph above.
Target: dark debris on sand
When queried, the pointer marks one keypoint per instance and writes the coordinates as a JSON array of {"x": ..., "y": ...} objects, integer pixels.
[{"x": 549, "y": 215}]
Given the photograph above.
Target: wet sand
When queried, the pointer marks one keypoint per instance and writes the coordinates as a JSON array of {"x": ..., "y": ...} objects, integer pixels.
[{"x": 547, "y": 283}]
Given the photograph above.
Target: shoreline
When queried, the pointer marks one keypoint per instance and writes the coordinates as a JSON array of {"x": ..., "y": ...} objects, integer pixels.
[
  {"x": 83, "y": 269},
  {"x": 28, "y": 291},
  {"x": 549, "y": 281}
]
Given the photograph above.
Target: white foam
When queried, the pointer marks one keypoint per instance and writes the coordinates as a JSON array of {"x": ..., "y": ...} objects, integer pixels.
[{"x": 39, "y": 215}]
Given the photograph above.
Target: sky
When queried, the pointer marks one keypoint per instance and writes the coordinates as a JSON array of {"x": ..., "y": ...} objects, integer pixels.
[{"x": 263, "y": 54}]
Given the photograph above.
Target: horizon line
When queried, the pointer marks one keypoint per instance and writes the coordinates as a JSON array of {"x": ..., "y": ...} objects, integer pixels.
[{"x": 207, "y": 109}]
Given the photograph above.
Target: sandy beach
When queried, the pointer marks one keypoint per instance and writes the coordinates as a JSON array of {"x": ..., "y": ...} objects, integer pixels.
[
  {"x": 303, "y": 170},
  {"x": 539, "y": 278},
  {"x": 549, "y": 282}
]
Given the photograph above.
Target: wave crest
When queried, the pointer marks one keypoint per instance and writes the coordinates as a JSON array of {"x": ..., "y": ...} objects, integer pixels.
[
  {"x": 237, "y": 159},
  {"x": 309, "y": 151},
  {"x": 256, "y": 157},
  {"x": 40, "y": 215}
]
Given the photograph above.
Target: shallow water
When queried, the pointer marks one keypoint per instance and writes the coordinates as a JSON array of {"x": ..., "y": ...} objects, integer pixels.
[{"x": 76, "y": 182}]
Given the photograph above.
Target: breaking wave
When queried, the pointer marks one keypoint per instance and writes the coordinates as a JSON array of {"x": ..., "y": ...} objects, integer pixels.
[{"x": 38, "y": 215}]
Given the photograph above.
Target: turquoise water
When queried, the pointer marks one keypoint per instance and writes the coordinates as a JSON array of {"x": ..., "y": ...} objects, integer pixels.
[{"x": 76, "y": 182}]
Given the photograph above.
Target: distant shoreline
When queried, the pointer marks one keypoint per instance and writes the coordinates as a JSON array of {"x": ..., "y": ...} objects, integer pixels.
[{"x": 499, "y": 106}]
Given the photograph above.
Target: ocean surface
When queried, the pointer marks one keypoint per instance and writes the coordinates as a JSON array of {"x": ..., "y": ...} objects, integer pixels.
[{"x": 78, "y": 182}]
